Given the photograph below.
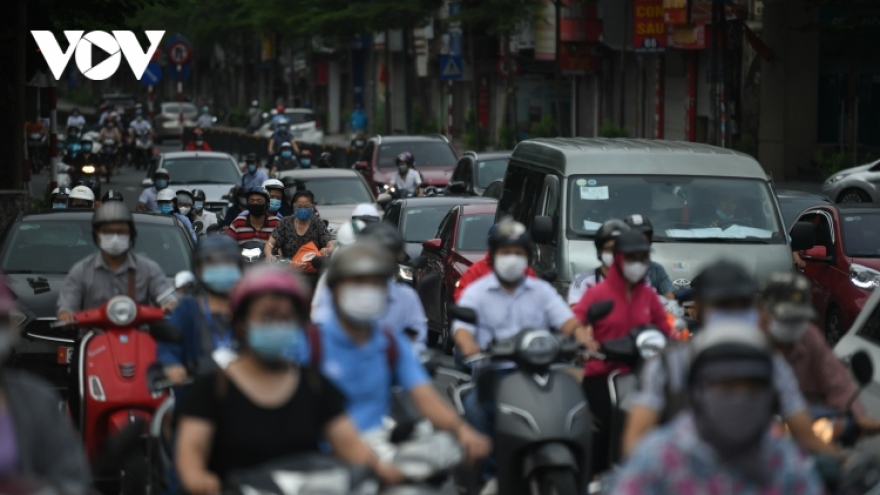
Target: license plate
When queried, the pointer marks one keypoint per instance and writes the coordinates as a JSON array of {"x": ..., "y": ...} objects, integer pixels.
[{"x": 65, "y": 355}]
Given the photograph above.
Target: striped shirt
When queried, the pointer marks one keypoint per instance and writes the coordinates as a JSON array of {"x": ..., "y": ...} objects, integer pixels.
[{"x": 242, "y": 230}]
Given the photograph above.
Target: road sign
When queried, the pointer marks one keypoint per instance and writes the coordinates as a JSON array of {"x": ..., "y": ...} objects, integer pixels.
[
  {"x": 179, "y": 52},
  {"x": 508, "y": 66},
  {"x": 451, "y": 67},
  {"x": 185, "y": 73},
  {"x": 152, "y": 75}
]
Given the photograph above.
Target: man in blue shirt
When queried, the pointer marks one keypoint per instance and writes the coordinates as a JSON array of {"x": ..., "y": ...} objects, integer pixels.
[
  {"x": 147, "y": 200},
  {"x": 253, "y": 176},
  {"x": 358, "y": 120},
  {"x": 364, "y": 359}
]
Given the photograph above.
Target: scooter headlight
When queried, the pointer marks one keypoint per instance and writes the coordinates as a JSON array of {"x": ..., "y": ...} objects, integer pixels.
[
  {"x": 650, "y": 343},
  {"x": 539, "y": 347},
  {"x": 88, "y": 169},
  {"x": 121, "y": 311},
  {"x": 406, "y": 273}
]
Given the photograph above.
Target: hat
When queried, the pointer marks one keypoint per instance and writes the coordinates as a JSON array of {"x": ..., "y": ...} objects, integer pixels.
[
  {"x": 731, "y": 350},
  {"x": 724, "y": 281},
  {"x": 365, "y": 210},
  {"x": 788, "y": 296}
]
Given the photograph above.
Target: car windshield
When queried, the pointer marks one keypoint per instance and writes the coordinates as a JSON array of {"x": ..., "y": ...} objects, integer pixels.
[
  {"x": 792, "y": 207},
  {"x": 337, "y": 191},
  {"x": 294, "y": 118},
  {"x": 490, "y": 171},
  {"x": 202, "y": 170},
  {"x": 473, "y": 232},
  {"x": 681, "y": 208},
  {"x": 426, "y": 153},
  {"x": 54, "y": 246},
  {"x": 420, "y": 223},
  {"x": 861, "y": 234}
]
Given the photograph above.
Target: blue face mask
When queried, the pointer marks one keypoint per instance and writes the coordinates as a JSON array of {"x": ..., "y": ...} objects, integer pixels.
[
  {"x": 274, "y": 205},
  {"x": 220, "y": 278},
  {"x": 199, "y": 205},
  {"x": 252, "y": 169},
  {"x": 305, "y": 162},
  {"x": 304, "y": 213},
  {"x": 286, "y": 154},
  {"x": 59, "y": 206},
  {"x": 87, "y": 148},
  {"x": 273, "y": 342},
  {"x": 161, "y": 184},
  {"x": 747, "y": 316},
  {"x": 166, "y": 208}
]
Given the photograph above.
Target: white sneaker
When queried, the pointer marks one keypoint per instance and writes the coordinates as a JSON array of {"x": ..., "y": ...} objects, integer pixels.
[{"x": 490, "y": 488}]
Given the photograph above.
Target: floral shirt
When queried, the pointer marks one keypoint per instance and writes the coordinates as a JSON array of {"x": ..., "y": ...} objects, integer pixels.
[
  {"x": 674, "y": 460},
  {"x": 289, "y": 242}
]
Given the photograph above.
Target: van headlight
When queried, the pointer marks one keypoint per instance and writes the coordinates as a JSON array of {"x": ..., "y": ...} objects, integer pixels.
[
  {"x": 539, "y": 347},
  {"x": 121, "y": 310},
  {"x": 863, "y": 277},
  {"x": 650, "y": 343},
  {"x": 835, "y": 178}
]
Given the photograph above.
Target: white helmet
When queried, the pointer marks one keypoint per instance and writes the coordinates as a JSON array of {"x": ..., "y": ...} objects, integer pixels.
[
  {"x": 273, "y": 184},
  {"x": 166, "y": 195},
  {"x": 60, "y": 190},
  {"x": 82, "y": 192},
  {"x": 348, "y": 232},
  {"x": 366, "y": 210},
  {"x": 183, "y": 279}
]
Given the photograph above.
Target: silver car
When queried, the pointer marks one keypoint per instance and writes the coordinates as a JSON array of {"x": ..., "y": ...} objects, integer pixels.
[
  {"x": 337, "y": 192},
  {"x": 855, "y": 185},
  {"x": 213, "y": 172}
]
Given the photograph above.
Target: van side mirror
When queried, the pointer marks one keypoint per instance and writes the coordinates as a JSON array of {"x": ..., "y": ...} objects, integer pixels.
[
  {"x": 147, "y": 183},
  {"x": 214, "y": 228},
  {"x": 862, "y": 368},
  {"x": 432, "y": 245},
  {"x": 803, "y": 236},
  {"x": 542, "y": 229},
  {"x": 457, "y": 187},
  {"x": 816, "y": 253},
  {"x": 599, "y": 310}
]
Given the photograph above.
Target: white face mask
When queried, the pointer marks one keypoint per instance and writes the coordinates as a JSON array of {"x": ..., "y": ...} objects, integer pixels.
[
  {"x": 184, "y": 210},
  {"x": 115, "y": 244},
  {"x": 510, "y": 267},
  {"x": 362, "y": 304},
  {"x": 635, "y": 272},
  {"x": 607, "y": 259},
  {"x": 787, "y": 332}
]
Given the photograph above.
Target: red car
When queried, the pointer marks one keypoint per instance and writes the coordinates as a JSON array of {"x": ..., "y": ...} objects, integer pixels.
[
  {"x": 844, "y": 264},
  {"x": 435, "y": 159},
  {"x": 462, "y": 239}
]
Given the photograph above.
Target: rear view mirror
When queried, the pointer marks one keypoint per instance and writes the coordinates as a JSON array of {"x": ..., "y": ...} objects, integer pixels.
[
  {"x": 214, "y": 228},
  {"x": 803, "y": 236},
  {"x": 819, "y": 253},
  {"x": 432, "y": 245},
  {"x": 599, "y": 310},
  {"x": 457, "y": 187},
  {"x": 162, "y": 331},
  {"x": 466, "y": 315},
  {"x": 542, "y": 230},
  {"x": 862, "y": 368},
  {"x": 147, "y": 183}
]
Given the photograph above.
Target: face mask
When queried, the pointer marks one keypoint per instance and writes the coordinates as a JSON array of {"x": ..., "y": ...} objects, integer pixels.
[
  {"x": 303, "y": 213},
  {"x": 252, "y": 169},
  {"x": 219, "y": 279},
  {"x": 161, "y": 184},
  {"x": 510, "y": 267},
  {"x": 257, "y": 210},
  {"x": 200, "y": 205},
  {"x": 199, "y": 142},
  {"x": 114, "y": 244},
  {"x": 59, "y": 206},
  {"x": 747, "y": 316},
  {"x": 607, "y": 259},
  {"x": 274, "y": 205},
  {"x": 305, "y": 162},
  {"x": 402, "y": 169},
  {"x": 166, "y": 208},
  {"x": 184, "y": 210},
  {"x": 634, "y": 272},
  {"x": 787, "y": 332},
  {"x": 271, "y": 342},
  {"x": 362, "y": 304},
  {"x": 286, "y": 154},
  {"x": 732, "y": 422}
]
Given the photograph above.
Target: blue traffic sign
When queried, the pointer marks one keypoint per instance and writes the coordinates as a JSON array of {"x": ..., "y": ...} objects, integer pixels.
[
  {"x": 152, "y": 75},
  {"x": 185, "y": 73},
  {"x": 451, "y": 67}
]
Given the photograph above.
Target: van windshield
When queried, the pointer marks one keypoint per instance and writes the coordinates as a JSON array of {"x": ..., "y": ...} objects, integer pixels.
[{"x": 681, "y": 208}]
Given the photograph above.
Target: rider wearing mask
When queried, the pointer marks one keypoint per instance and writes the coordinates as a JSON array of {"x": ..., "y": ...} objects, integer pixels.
[
  {"x": 284, "y": 160},
  {"x": 238, "y": 206},
  {"x": 722, "y": 441},
  {"x": 255, "y": 117},
  {"x": 253, "y": 176},
  {"x": 296, "y": 231},
  {"x": 657, "y": 276},
  {"x": 256, "y": 223},
  {"x": 406, "y": 180},
  {"x": 58, "y": 198},
  {"x": 305, "y": 159},
  {"x": 81, "y": 197},
  {"x": 185, "y": 202},
  {"x": 111, "y": 195},
  {"x": 37, "y": 441},
  {"x": 147, "y": 201},
  {"x": 262, "y": 407},
  {"x": 198, "y": 142},
  {"x": 205, "y": 119},
  {"x": 76, "y": 119},
  {"x": 605, "y": 238},
  {"x": 325, "y": 160},
  {"x": 402, "y": 309},
  {"x": 280, "y": 136},
  {"x": 479, "y": 270},
  {"x": 167, "y": 205},
  {"x": 86, "y": 157},
  {"x": 354, "y": 347},
  {"x": 140, "y": 124},
  {"x": 205, "y": 320},
  {"x": 724, "y": 292},
  {"x": 110, "y": 131},
  {"x": 635, "y": 304},
  {"x": 207, "y": 218},
  {"x": 277, "y": 205}
]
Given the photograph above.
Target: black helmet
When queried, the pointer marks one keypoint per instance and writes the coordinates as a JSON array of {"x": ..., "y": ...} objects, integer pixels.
[
  {"x": 640, "y": 222},
  {"x": 252, "y": 157},
  {"x": 611, "y": 229},
  {"x": 242, "y": 192},
  {"x": 632, "y": 241},
  {"x": 111, "y": 195},
  {"x": 114, "y": 211},
  {"x": 325, "y": 157},
  {"x": 724, "y": 281},
  {"x": 216, "y": 247},
  {"x": 509, "y": 232},
  {"x": 198, "y": 195},
  {"x": 384, "y": 234},
  {"x": 407, "y": 158},
  {"x": 259, "y": 190},
  {"x": 361, "y": 259}
]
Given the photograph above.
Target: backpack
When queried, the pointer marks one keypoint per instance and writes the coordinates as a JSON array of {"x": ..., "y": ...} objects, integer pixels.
[{"x": 315, "y": 348}]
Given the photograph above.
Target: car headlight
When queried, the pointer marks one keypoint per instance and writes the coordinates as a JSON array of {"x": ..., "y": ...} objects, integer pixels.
[
  {"x": 650, "y": 343},
  {"x": 836, "y": 178},
  {"x": 121, "y": 310},
  {"x": 863, "y": 277},
  {"x": 88, "y": 169},
  {"x": 539, "y": 347},
  {"x": 406, "y": 273},
  {"x": 17, "y": 318}
]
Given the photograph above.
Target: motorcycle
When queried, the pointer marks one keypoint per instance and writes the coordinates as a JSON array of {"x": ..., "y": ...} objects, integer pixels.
[
  {"x": 358, "y": 141},
  {"x": 36, "y": 142},
  {"x": 109, "y": 154},
  {"x": 303, "y": 475},
  {"x": 543, "y": 428},
  {"x": 88, "y": 176},
  {"x": 252, "y": 251},
  {"x": 143, "y": 149}
]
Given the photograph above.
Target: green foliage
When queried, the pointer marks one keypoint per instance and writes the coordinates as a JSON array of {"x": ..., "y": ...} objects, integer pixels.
[
  {"x": 500, "y": 17},
  {"x": 91, "y": 15},
  {"x": 546, "y": 128},
  {"x": 610, "y": 130},
  {"x": 238, "y": 117},
  {"x": 422, "y": 123},
  {"x": 506, "y": 138},
  {"x": 78, "y": 97}
]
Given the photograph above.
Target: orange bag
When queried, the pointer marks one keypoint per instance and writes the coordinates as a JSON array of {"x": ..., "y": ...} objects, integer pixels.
[{"x": 302, "y": 260}]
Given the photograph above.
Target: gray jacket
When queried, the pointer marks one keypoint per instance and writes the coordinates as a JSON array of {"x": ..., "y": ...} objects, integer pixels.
[{"x": 49, "y": 449}]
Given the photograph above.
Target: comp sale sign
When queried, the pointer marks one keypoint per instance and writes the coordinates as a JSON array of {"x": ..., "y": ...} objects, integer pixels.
[{"x": 649, "y": 26}]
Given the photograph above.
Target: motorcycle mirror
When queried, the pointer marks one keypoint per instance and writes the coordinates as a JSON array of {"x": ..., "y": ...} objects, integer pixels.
[
  {"x": 163, "y": 331},
  {"x": 862, "y": 367},
  {"x": 147, "y": 183},
  {"x": 214, "y": 228},
  {"x": 466, "y": 315},
  {"x": 599, "y": 310},
  {"x": 320, "y": 262},
  {"x": 198, "y": 226},
  {"x": 418, "y": 262}
]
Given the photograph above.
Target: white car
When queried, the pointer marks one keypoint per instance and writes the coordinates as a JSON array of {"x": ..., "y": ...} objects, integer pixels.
[
  {"x": 302, "y": 123},
  {"x": 213, "y": 172}
]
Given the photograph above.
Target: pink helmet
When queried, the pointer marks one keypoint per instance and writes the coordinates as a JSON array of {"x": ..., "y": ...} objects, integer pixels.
[
  {"x": 269, "y": 279},
  {"x": 7, "y": 299}
]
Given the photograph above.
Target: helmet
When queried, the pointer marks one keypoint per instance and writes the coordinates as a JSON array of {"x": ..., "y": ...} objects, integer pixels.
[
  {"x": 259, "y": 190},
  {"x": 198, "y": 195},
  {"x": 289, "y": 182},
  {"x": 361, "y": 259},
  {"x": 384, "y": 234},
  {"x": 186, "y": 195},
  {"x": 111, "y": 195},
  {"x": 197, "y": 131},
  {"x": 216, "y": 247},
  {"x": 85, "y": 142},
  {"x": 7, "y": 299},
  {"x": 347, "y": 234},
  {"x": 509, "y": 232},
  {"x": 631, "y": 241},
  {"x": 305, "y": 154},
  {"x": 325, "y": 157},
  {"x": 58, "y": 192},
  {"x": 640, "y": 222},
  {"x": 184, "y": 279},
  {"x": 788, "y": 296},
  {"x": 731, "y": 350},
  {"x": 166, "y": 195},
  {"x": 161, "y": 171},
  {"x": 205, "y": 109},
  {"x": 268, "y": 279},
  {"x": 138, "y": 112},
  {"x": 114, "y": 211},
  {"x": 252, "y": 157},
  {"x": 285, "y": 144},
  {"x": 407, "y": 158},
  {"x": 366, "y": 212},
  {"x": 273, "y": 184},
  {"x": 255, "y": 103},
  {"x": 611, "y": 229},
  {"x": 82, "y": 192},
  {"x": 724, "y": 281}
]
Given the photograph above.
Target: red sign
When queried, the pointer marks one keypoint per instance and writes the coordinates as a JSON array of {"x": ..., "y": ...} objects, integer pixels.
[
  {"x": 578, "y": 58},
  {"x": 675, "y": 12},
  {"x": 688, "y": 37},
  {"x": 649, "y": 28},
  {"x": 571, "y": 22},
  {"x": 179, "y": 52},
  {"x": 483, "y": 103},
  {"x": 508, "y": 66}
]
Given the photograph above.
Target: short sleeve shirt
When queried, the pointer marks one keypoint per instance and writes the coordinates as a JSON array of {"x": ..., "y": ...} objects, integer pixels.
[
  {"x": 289, "y": 242},
  {"x": 148, "y": 198},
  {"x": 242, "y": 230},
  {"x": 143, "y": 125},
  {"x": 409, "y": 183}
]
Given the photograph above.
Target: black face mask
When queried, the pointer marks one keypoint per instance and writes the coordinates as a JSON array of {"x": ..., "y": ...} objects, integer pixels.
[{"x": 257, "y": 210}]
